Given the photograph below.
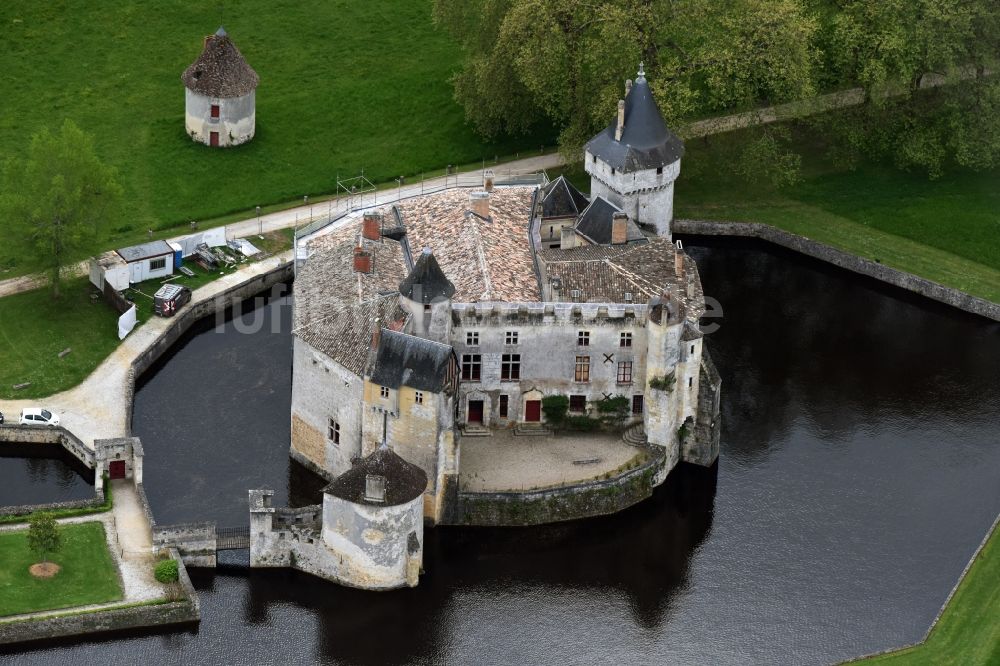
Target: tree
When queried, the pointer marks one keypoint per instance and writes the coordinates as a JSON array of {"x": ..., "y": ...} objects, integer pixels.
[
  {"x": 59, "y": 196},
  {"x": 565, "y": 61},
  {"x": 43, "y": 535},
  {"x": 928, "y": 68}
]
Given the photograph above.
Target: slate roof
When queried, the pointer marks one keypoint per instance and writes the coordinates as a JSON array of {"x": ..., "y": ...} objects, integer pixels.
[
  {"x": 404, "y": 482},
  {"x": 561, "y": 199},
  {"x": 145, "y": 251},
  {"x": 485, "y": 259},
  {"x": 406, "y": 360},
  {"x": 646, "y": 142},
  {"x": 426, "y": 283},
  {"x": 220, "y": 70},
  {"x": 595, "y": 223}
]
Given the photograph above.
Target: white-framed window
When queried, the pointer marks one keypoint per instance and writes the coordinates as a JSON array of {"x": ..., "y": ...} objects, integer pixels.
[
  {"x": 472, "y": 338},
  {"x": 583, "y": 338},
  {"x": 384, "y": 391},
  {"x": 582, "y": 370},
  {"x": 510, "y": 338},
  {"x": 158, "y": 264},
  {"x": 510, "y": 367},
  {"x": 333, "y": 432},
  {"x": 418, "y": 397},
  {"x": 624, "y": 372},
  {"x": 626, "y": 339},
  {"x": 472, "y": 366}
]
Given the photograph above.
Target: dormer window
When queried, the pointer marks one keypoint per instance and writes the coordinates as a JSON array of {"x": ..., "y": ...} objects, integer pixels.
[
  {"x": 659, "y": 171},
  {"x": 375, "y": 488},
  {"x": 575, "y": 294},
  {"x": 384, "y": 391}
]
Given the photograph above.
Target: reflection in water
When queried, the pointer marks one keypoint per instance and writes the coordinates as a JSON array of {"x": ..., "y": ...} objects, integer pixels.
[
  {"x": 859, "y": 470},
  {"x": 41, "y": 474}
]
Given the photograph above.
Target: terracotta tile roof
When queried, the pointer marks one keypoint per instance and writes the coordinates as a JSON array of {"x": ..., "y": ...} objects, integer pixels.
[
  {"x": 604, "y": 274},
  {"x": 486, "y": 259},
  {"x": 329, "y": 314}
]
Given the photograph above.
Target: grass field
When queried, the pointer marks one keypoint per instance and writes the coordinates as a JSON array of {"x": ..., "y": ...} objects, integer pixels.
[
  {"x": 88, "y": 573},
  {"x": 344, "y": 86},
  {"x": 969, "y": 629},
  {"x": 946, "y": 230},
  {"x": 34, "y": 328}
]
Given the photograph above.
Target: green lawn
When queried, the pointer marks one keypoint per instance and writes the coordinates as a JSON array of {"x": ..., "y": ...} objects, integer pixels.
[
  {"x": 969, "y": 630},
  {"x": 344, "y": 86},
  {"x": 947, "y": 230},
  {"x": 88, "y": 574},
  {"x": 34, "y": 328}
]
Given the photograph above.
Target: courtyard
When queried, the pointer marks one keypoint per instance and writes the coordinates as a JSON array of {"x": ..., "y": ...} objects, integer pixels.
[{"x": 506, "y": 461}]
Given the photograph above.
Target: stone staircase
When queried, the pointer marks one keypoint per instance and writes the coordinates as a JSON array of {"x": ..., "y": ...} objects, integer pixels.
[
  {"x": 635, "y": 435},
  {"x": 476, "y": 430},
  {"x": 531, "y": 430}
]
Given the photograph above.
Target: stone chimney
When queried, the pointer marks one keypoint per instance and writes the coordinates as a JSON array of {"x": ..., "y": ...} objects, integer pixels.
[
  {"x": 679, "y": 260},
  {"x": 479, "y": 203},
  {"x": 621, "y": 120},
  {"x": 488, "y": 180},
  {"x": 371, "y": 226},
  {"x": 555, "y": 286},
  {"x": 362, "y": 260},
  {"x": 619, "y": 228},
  {"x": 208, "y": 38},
  {"x": 628, "y": 86},
  {"x": 376, "y": 334}
]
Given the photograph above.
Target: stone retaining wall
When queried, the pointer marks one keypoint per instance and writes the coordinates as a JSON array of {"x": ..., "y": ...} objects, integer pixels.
[
  {"x": 552, "y": 505},
  {"x": 19, "y": 434},
  {"x": 195, "y": 543},
  {"x": 851, "y": 262},
  {"x": 26, "y": 509},
  {"x": 197, "y": 311}
]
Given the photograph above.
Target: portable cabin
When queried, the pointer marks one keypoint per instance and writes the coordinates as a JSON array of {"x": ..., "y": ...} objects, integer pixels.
[
  {"x": 148, "y": 261},
  {"x": 110, "y": 269}
]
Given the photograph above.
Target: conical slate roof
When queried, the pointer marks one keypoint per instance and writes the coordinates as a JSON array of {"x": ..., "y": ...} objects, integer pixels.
[
  {"x": 646, "y": 142},
  {"x": 404, "y": 481},
  {"x": 426, "y": 283},
  {"x": 220, "y": 70}
]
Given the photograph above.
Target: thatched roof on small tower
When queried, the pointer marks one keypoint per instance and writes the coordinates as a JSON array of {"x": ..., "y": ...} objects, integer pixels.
[{"x": 220, "y": 70}]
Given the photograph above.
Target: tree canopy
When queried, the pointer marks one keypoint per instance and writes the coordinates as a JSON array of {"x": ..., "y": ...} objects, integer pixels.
[
  {"x": 59, "y": 195},
  {"x": 44, "y": 538},
  {"x": 564, "y": 61}
]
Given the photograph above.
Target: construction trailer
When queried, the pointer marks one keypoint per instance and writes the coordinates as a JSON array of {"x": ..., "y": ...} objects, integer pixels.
[{"x": 149, "y": 260}]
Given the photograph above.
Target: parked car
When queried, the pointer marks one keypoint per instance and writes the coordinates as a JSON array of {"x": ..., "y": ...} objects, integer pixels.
[
  {"x": 170, "y": 298},
  {"x": 38, "y": 416}
]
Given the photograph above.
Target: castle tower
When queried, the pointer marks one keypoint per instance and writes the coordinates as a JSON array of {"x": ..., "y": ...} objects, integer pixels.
[
  {"x": 220, "y": 94},
  {"x": 426, "y": 294},
  {"x": 636, "y": 159}
]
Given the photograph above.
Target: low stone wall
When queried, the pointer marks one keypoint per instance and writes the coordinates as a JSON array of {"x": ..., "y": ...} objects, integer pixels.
[
  {"x": 195, "y": 543},
  {"x": 851, "y": 262},
  {"x": 26, "y": 509},
  {"x": 552, "y": 505},
  {"x": 19, "y": 434},
  {"x": 101, "y": 622},
  {"x": 285, "y": 517}
]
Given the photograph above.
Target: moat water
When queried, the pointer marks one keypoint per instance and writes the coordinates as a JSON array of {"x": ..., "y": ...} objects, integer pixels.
[{"x": 860, "y": 469}]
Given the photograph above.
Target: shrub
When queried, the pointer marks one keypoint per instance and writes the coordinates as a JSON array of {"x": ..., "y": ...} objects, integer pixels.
[
  {"x": 166, "y": 571},
  {"x": 665, "y": 383},
  {"x": 555, "y": 408},
  {"x": 581, "y": 423},
  {"x": 614, "y": 411}
]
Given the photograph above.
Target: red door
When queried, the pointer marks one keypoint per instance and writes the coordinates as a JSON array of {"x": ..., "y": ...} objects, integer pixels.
[
  {"x": 213, "y": 138},
  {"x": 117, "y": 469},
  {"x": 475, "y": 411},
  {"x": 533, "y": 411}
]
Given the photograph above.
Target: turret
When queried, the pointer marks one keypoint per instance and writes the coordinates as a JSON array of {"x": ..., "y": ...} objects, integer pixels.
[
  {"x": 426, "y": 294},
  {"x": 634, "y": 162}
]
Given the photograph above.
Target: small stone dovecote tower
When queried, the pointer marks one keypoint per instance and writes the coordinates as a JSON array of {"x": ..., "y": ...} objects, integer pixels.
[
  {"x": 636, "y": 159},
  {"x": 220, "y": 94}
]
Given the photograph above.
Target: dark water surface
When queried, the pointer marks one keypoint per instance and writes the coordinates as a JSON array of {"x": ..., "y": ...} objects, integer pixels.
[
  {"x": 860, "y": 468},
  {"x": 49, "y": 474}
]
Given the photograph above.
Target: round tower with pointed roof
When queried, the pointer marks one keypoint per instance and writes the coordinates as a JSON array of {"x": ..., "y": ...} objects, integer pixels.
[
  {"x": 635, "y": 160},
  {"x": 220, "y": 94}
]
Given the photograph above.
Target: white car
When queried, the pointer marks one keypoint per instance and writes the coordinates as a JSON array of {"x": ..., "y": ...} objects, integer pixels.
[{"x": 38, "y": 416}]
